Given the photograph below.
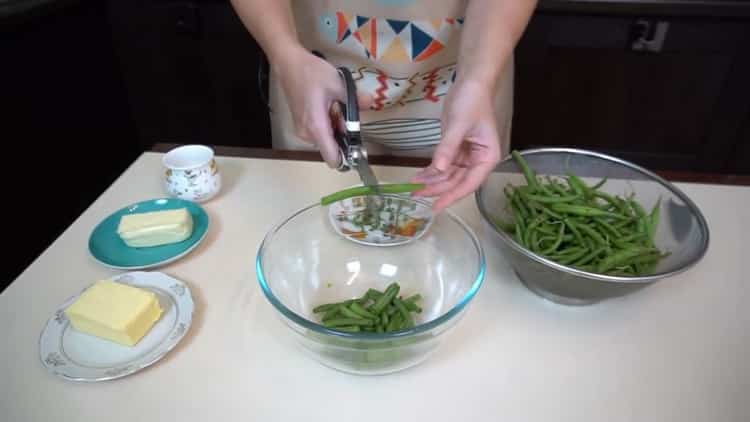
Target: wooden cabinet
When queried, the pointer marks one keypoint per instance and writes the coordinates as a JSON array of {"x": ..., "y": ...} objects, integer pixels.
[
  {"x": 581, "y": 83},
  {"x": 191, "y": 69}
]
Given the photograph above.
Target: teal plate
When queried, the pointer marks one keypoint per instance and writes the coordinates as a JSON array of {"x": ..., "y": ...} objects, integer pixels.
[{"x": 106, "y": 246}]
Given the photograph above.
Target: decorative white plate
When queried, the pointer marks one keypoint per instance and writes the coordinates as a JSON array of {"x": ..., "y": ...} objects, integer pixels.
[
  {"x": 400, "y": 219},
  {"x": 77, "y": 356}
]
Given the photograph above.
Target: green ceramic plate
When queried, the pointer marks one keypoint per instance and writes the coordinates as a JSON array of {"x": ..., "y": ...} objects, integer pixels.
[{"x": 106, "y": 246}]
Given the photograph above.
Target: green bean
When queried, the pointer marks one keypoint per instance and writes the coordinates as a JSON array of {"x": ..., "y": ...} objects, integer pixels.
[
  {"x": 503, "y": 225},
  {"x": 600, "y": 184},
  {"x": 384, "y": 300},
  {"x": 404, "y": 312},
  {"x": 608, "y": 227},
  {"x": 519, "y": 236},
  {"x": 550, "y": 213},
  {"x": 394, "y": 323},
  {"x": 590, "y": 257},
  {"x": 325, "y": 308},
  {"x": 413, "y": 298},
  {"x": 635, "y": 237},
  {"x": 642, "y": 222},
  {"x": 345, "y": 311},
  {"x": 527, "y": 172},
  {"x": 571, "y": 250},
  {"x": 576, "y": 233},
  {"x": 373, "y": 294},
  {"x": 592, "y": 233},
  {"x": 362, "y": 312},
  {"x": 557, "y": 243},
  {"x": 569, "y": 259},
  {"x": 534, "y": 241},
  {"x": 624, "y": 223},
  {"x": 621, "y": 257},
  {"x": 349, "y": 328},
  {"x": 552, "y": 199},
  {"x": 580, "y": 186},
  {"x": 331, "y": 313},
  {"x": 584, "y": 211},
  {"x": 519, "y": 206},
  {"x": 369, "y": 190},
  {"x": 341, "y": 322},
  {"x": 530, "y": 228},
  {"x": 556, "y": 188},
  {"x": 654, "y": 220}
]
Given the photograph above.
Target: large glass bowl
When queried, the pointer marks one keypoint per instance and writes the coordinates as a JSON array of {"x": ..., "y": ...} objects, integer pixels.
[
  {"x": 682, "y": 230},
  {"x": 303, "y": 262}
]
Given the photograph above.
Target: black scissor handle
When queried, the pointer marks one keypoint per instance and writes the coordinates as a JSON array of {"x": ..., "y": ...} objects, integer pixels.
[{"x": 351, "y": 108}]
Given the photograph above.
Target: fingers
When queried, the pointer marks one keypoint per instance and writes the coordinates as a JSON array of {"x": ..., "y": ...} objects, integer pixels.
[
  {"x": 430, "y": 175},
  {"x": 443, "y": 186},
  {"x": 473, "y": 178},
  {"x": 317, "y": 129},
  {"x": 448, "y": 148}
]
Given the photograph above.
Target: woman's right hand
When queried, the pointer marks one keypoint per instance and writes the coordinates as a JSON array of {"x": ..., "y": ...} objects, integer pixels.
[{"x": 313, "y": 87}]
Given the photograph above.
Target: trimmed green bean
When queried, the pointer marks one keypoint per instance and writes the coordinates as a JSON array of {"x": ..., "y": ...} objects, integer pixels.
[
  {"x": 345, "y": 311},
  {"x": 341, "y": 322},
  {"x": 384, "y": 300},
  {"x": 369, "y": 190},
  {"x": 357, "y": 309}
]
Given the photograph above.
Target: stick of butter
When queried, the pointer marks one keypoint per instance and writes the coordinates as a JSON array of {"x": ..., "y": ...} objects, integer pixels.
[
  {"x": 115, "y": 311},
  {"x": 155, "y": 228}
]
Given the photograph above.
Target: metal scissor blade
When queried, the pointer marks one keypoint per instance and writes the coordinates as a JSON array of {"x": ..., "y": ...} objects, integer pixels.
[
  {"x": 368, "y": 179},
  {"x": 366, "y": 175}
]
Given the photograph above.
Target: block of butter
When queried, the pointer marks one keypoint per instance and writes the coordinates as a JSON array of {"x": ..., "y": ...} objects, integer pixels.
[
  {"x": 155, "y": 228},
  {"x": 115, "y": 311}
]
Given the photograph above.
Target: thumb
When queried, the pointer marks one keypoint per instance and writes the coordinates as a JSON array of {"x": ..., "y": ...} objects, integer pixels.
[{"x": 448, "y": 148}]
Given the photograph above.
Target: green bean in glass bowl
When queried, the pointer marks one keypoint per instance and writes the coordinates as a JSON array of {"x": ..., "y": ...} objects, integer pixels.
[{"x": 579, "y": 227}]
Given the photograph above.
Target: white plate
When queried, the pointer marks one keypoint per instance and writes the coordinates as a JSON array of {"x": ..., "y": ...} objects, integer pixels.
[
  {"x": 402, "y": 208},
  {"x": 77, "y": 356}
]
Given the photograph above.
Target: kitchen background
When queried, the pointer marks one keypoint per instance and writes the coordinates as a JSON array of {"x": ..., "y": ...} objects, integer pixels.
[{"x": 86, "y": 86}]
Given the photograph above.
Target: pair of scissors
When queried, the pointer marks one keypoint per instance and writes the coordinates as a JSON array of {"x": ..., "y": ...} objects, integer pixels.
[{"x": 353, "y": 153}]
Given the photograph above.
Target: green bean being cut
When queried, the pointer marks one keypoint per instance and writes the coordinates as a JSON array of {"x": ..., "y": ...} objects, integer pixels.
[
  {"x": 569, "y": 222},
  {"x": 376, "y": 312}
]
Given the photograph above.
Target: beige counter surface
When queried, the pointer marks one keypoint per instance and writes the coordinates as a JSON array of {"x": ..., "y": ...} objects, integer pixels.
[{"x": 676, "y": 351}]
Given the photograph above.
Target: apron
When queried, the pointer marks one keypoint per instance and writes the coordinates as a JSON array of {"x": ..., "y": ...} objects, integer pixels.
[{"x": 402, "y": 52}]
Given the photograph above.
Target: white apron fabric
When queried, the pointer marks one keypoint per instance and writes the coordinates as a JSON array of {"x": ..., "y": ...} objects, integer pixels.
[{"x": 402, "y": 52}]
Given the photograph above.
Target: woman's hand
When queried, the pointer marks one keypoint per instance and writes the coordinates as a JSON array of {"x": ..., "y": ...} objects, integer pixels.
[
  {"x": 469, "y": 149},
  {"x": 313, "y": 87}
]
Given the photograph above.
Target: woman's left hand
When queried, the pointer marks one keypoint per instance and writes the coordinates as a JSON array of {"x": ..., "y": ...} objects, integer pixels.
[{"x": 469, "y": 149}]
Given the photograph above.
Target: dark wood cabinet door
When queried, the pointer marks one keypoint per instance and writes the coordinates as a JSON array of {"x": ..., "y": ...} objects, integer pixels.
[
  {"x": 580, "y": 84},
  {"x": 191, "y": 69}
]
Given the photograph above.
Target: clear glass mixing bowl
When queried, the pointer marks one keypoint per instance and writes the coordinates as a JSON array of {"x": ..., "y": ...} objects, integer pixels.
[{"x": 303, "y": 262}]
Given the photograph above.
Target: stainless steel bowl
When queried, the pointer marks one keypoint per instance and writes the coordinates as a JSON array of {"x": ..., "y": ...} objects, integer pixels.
[{"x": 682, "y": 231}]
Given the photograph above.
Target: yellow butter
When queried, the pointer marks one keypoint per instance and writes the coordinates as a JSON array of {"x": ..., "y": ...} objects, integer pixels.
[
  {"x": 115, "y": 311},
  {"x": 155, "y": 228}
]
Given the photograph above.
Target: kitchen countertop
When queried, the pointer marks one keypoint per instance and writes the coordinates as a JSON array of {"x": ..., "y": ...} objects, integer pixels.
[{"x": 674, "y": 351}]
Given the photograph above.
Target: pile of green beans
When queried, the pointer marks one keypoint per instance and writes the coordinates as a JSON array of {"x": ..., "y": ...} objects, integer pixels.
[
  {"x": 573, "y": 224},
  {"x": 376, "y": 311}
]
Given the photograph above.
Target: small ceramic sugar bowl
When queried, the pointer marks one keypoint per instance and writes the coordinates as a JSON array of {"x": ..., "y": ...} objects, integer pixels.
[{"x": 191, "y": 173}]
